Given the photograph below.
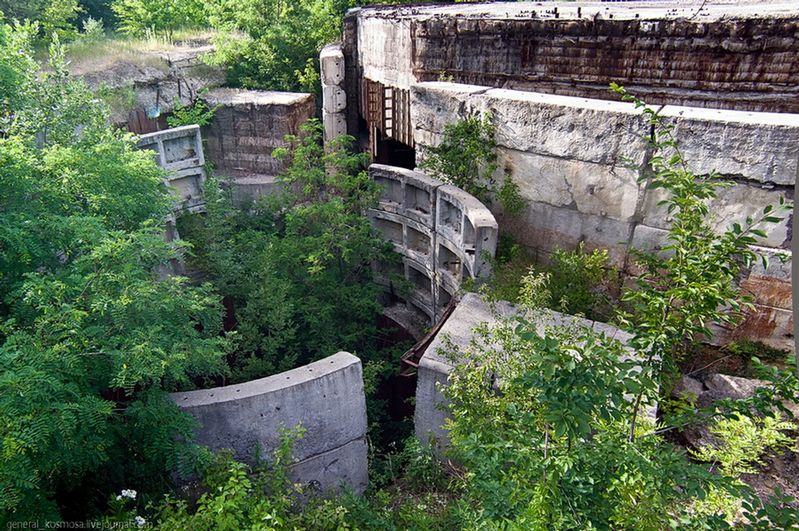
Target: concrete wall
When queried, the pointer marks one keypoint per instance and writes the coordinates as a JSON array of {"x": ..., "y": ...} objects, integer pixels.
[
  {"x": 720, "y": 56},
  {"x": 454, "y": 338},
  {"x": 325, "y": 397},
  {"x": 180, "y": 152},
  {"x": 441, "y": 232},
  {"x": 247, "y": 126},
  {"x": 567, "y": 155}
]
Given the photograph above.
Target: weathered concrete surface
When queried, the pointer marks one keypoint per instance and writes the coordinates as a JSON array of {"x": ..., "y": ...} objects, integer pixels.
[
  {"x": 180, "y": 152},
  {"x": 334, "y": 96},
  {"x": 570, "y": 158},
  {"x": 439, "y": 360},
  {"x": 325, "y": 397},
  {"x": 249, "y": 124},
  {"x": 735, "y": 387},
  {"x": 158, "y": 79},
  {"x": 442, "y": 233},
  {"x": 740, "y": 55}
]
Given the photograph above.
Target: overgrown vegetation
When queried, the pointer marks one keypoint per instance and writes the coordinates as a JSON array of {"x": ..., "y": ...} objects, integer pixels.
[
  {"x": 91, "y": 337},
  {"x": 574, "y": 282},
  {"x": 137, "y": 17},
  {"x": 196, "y": 113},
  {"x": 296, "y": 266},
  {"x": 543, "y": 423},
  {"x": 467, "y": 158},
  {"x": 544, "y": 431}
]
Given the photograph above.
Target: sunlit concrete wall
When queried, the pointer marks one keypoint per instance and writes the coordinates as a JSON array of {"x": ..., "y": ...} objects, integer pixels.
[
  {"x": 325, "y": 397},
  {"x": 570, "y": 157}
]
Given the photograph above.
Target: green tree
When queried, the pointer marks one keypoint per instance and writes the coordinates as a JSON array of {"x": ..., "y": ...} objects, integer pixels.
[
  {"x": 296, "y": 265},
  {"x": 90, "y": 335},
  {"x": 136, "y": 17},
  {"x": 692, "y": 282},
  {"x": 281, "y": 51},
  {"x": 52, "y": 16}
]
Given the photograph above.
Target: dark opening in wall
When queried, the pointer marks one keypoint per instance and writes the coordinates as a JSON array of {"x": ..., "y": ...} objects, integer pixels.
[
  {"x": 395, "y": 391},
  {"x": 394, "y": 153}
]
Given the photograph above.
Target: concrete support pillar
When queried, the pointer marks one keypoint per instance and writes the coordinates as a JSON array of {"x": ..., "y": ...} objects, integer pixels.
[{"x": 334, "y": 97}]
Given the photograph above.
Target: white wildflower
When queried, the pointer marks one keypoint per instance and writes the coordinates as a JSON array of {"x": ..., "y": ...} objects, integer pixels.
[
  {"x": 140, "y": 521},
  {"x": 129, "y": 493}
]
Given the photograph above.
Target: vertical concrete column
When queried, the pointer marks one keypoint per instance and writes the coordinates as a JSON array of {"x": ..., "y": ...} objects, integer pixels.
[{"x": 334, "y": 97}]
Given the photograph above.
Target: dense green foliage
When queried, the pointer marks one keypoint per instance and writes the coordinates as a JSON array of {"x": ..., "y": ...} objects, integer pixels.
[
  {"x": 196, "y": 113},
  {"x": 575, "y": 282},
  {"x": 283, "y": 40},
  {"x": 262, "y": 497},
  {"x": 548, "y": 423},
  {"x": 540, "y": 423},
  {"x": 297, "y": 265},
  {"x": 467, "y": 158},
  {"x": 90, "y": 335},
  {"x": 137, "y": 17},
  {"x": 51, "y": 16}
]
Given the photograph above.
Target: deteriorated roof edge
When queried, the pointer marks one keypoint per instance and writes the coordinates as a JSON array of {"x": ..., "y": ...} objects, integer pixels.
[{"x": 671, "y": 10}]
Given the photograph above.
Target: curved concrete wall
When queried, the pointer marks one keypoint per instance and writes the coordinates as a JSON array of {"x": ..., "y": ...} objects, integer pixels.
[
  {"x": 442, "y": 233},
  {"x": 325, "y": 397}
]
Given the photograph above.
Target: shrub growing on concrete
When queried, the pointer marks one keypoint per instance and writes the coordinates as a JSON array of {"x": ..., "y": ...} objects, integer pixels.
[
  {"x": 467, "y": 158},
  {"x": 549, "y": 428}
]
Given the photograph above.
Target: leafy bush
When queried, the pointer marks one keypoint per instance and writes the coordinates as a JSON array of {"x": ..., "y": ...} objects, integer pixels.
[
  {"x": 90, "y": 336},
  {"x": 743, "y": 442},
  {"x": 539, "y": 424},
  {"x": 93, "y": 30},
  {"x": 58, "y": 18},
  {"x": 467, "y": 158},
  {"x": 422, "y": 470},
  {"x": 512, "y": 262},
  {"x": 137, "y": 17},
  {"x": 692, "y": 282},
  {"x": 574, "y": 282},
  {"x": 197, "y": 113},
  {"x": 281, "y": 51},
  {"x": 577, "y": 279},
  {"x": 260, "y": 497},
  {"x": 233, "y": 500}
]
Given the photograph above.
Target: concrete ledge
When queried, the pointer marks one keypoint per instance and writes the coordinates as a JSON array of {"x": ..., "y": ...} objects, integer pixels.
[{"x": 325, "y": 397}]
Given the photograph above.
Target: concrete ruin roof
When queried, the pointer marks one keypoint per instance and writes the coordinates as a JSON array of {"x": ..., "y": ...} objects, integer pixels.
[
  {"x": 232, "y": 96},
  {"x": 698, "y": 11}
]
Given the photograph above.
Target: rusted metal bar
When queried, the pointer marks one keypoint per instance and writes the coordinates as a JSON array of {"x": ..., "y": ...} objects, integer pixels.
[{"x": 409, "y": 362}]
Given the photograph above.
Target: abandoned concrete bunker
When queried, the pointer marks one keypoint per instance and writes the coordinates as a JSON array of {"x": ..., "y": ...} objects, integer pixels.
[{"x": 726, "y": 77}]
